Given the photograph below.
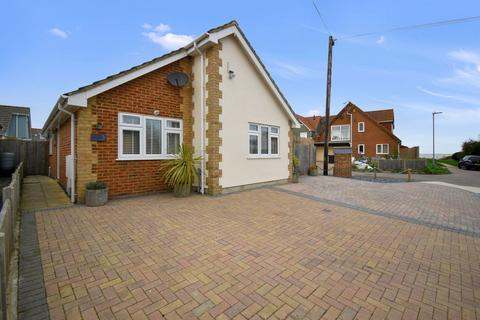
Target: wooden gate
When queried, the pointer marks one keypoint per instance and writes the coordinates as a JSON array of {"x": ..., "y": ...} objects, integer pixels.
[{"x": 34, "y": 154}]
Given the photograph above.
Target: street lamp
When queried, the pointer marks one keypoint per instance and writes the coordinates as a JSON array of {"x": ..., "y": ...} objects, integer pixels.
[{"x": 433, "y": 118}]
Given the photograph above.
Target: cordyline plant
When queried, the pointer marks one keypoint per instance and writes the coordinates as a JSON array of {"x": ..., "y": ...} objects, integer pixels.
[{"x": 181, "y": 170}]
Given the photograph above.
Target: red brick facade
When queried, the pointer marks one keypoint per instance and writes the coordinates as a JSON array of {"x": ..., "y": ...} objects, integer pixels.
[
  {"x": 61, "y": 143},
  {"x": 374, "y": 133},
  {"x": 143, "y": 95}
]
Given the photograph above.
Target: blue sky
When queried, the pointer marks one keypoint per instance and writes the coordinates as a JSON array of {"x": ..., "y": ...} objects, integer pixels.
[{"x": 52, "y": 47}]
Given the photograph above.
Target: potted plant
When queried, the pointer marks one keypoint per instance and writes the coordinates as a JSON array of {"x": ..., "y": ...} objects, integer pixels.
[
  {"x": 313, "y": 170},
  {"x": 295, "y": 163},
  {"x": 181, "y": 171},
  {"x": 96, "y": 194}
]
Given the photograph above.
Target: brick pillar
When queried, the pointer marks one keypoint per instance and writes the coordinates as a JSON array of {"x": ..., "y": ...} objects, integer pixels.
[
  {"x": 213, "y": 123},
  {"x": 187, "y": 102},
  {"x": 343, "y": 165},
  {"x": 86, "y": 154},
  {"x": 290, "y": 150}
]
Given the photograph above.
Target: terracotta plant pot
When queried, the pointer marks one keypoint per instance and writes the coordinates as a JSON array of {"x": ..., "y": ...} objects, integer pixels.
[
  {"x": 96, "y": 198},
  {"x": 182, "y": 190}
]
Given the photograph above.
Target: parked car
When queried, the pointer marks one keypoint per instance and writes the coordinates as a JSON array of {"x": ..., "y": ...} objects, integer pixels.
[{"x": 469, "y": 162}]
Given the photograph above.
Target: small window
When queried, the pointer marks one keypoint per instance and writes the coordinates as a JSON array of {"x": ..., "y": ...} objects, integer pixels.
[
  {"x": 361, "y": 149},
  {"x": 173, "y": 142},
  {"x": 361, "y": 127},
  {"x": 128, "y": 119},
  {"x": 253, "y": 144},
  {"x": 154, "y": 133},
  {"x": 303, "y": 134},
  {"x": 382, "y": 148},
  {"x": 274, "y": 145},
  {"x": 274, "y": 130},
  {"x": 131, "y": 142},
  {"x": 173, "y": 124},
  {"x": 253, "y": 127},
  {"x": 264, "y": 140},
  {"x": 50, "y": 145},
  {"x": 19, "y": 127}
]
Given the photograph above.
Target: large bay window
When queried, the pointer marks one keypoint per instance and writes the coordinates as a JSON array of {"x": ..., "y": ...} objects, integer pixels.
[
  {"x": 340, "y": 133},
  {"x": 143, "y": 137},
  {"x": 263, "y": 141}
]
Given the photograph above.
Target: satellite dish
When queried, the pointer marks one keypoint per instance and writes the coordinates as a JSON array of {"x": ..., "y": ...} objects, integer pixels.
[{"x": 177, "y": 79}]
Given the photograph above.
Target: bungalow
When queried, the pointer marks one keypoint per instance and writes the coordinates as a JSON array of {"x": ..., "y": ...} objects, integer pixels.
[{"x": 214, "y": 94}]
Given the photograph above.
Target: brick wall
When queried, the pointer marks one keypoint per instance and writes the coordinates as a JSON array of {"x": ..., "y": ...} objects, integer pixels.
[
  {"x": 64, "y": 142},
  {"x": 143, "y": 95},
  {"x": 373, "y": 134},
  {"x": 214, "y": 125},
  {"x": 343, "y": 165}
]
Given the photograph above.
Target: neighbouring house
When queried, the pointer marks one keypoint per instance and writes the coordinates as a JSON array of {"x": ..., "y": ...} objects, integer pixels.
[
  {"x": 37, "y": 134},
  {"x": 306, "y": 124},
  {"x": 368, "y": 133},
  {"x": 15, "y": 122},
  {"x": 214, "y": 94}
]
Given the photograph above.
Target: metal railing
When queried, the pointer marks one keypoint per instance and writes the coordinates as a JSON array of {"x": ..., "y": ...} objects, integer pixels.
[{"x": 8, "y": 233}]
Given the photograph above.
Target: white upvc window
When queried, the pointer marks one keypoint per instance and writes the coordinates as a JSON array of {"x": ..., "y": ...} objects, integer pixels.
[
  {"x": 382, "y": 148},
  {"x": 263, "y": 141},
  {"x": 361, "y": 127},
  {"x": 361, "y": 149},
  {"x": 340, "y": 133},
  {"x": 303, "y": 134},
  {"x": 142, "y": 137}
]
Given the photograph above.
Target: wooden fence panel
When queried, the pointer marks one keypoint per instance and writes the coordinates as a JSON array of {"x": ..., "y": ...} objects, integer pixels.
[
  {"x": 33, "y": 154},
  {"x": 306, "y": 152},
  {"x": 401, "y": 164}
]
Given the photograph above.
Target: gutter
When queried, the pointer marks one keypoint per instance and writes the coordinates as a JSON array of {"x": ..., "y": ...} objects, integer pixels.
[
  {"x": 202, "y": 116},
  {"x": 72, "y": 148}
]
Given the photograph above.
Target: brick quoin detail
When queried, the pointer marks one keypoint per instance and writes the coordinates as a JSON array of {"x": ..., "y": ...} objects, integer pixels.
[
  {"x": 214, "y": 94},
  {"x": 187, "y": 101},
  {"x": 290, "y": 150},
  {"x": 86, "y": 150}
]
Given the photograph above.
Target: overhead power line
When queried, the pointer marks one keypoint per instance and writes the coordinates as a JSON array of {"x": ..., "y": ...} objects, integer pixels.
[
  {"x": 416, "y": 26},
  {"x": 321, "y": 17}
]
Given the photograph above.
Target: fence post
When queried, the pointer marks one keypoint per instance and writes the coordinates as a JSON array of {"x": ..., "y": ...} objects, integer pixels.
[
  {"x": 3, "y": 279},
  {"x": 409, "y": 172}
]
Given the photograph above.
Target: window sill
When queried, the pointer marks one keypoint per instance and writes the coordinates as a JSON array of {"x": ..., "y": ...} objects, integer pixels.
[
  {"x": 145, "y": 158},
  {"x": 263, "y": 157}
]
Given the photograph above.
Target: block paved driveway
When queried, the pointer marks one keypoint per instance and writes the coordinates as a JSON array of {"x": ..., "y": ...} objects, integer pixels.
[
  {"x": 434, "y": 205},
  {"x": 252, "y": 255}
]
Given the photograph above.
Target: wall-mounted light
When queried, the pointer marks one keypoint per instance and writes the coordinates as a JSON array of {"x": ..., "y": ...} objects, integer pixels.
[
  {"x": 231, "y": 73},
  {"x": 99, "y": 126},
  {"x": 156, "y": 112}
]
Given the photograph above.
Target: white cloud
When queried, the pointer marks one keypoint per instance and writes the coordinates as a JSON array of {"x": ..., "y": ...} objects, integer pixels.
[
  {"x": 288, "y": 70},
  {"x": 469, "y": 74},
  {"x": 58, "y": 33},
  {"x": 380, "y": 40},
  {"x": 460, "y": 98},
  {"x": 167, "y": 40}
]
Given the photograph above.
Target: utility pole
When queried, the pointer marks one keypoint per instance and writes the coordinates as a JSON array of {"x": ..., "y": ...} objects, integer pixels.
[
  {"x": 433, "y": 127},
  {"x": 331, "y": 43}
]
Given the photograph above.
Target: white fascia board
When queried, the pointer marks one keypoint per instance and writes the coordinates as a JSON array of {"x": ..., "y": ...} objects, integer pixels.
[{"x": 80, "y": 99}]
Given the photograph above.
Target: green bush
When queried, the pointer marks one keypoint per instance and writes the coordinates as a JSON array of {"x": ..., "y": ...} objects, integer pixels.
[
  {"x": 96, "y": 185},
  {"x": 438, "y": 168}
]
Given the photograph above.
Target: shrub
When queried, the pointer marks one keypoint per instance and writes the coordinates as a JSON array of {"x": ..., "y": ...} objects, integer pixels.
[
  {"x": 181, "y": 170},
  {"x": 295, "y": 162},
  {"x": 438, "y": 168},
  {"x": 96, "y": 185}
]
